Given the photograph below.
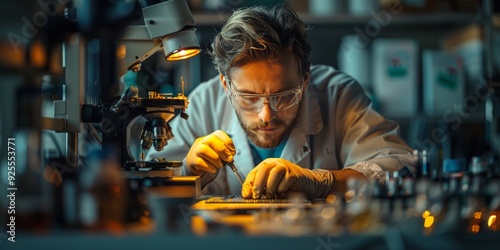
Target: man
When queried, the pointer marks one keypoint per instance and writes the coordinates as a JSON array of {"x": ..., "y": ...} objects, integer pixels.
[{"x": 286, "y": 125}]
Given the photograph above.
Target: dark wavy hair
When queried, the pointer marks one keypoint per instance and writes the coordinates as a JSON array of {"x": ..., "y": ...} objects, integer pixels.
[{"x": 257, "y": 33}]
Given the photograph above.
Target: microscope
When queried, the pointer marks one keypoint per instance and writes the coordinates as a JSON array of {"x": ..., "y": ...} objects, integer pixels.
[
  {"x": 91, "y": 82},
  {"x": 99, "y": 49},
  {"x": 169, "y": 26},
  {"x": 157, "y": 109}
]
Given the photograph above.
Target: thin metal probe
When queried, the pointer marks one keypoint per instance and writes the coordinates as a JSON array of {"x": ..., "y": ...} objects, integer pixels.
[{"x": 235, "y": 171}]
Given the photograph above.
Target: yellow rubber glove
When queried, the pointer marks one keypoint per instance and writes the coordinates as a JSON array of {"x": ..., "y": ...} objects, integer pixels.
[
  {"x": 209, "y": 153},
  {"x": 274, "y": 176}
]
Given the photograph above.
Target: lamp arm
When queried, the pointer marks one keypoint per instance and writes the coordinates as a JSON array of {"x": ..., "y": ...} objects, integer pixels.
[{"x": 135, "y": 47}]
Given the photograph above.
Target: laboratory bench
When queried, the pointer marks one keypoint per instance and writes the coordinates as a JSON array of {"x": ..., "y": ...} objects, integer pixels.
[
  {"x": 293, "y": 227},
  {"x": 394, "y": 237}
]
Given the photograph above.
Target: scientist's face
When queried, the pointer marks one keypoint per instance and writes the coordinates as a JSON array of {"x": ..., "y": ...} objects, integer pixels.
[{"x": 266, "y": 96}]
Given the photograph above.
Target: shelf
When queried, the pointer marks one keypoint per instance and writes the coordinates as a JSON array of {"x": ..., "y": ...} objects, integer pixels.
[
  {"x": 414, "y": 19},
  {"x": 400, "y": 19}
]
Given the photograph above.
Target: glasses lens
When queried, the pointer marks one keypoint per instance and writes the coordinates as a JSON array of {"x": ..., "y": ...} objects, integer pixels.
[
  {"x": 254, "y": 103},
  {"x": 248, "y": 103},
  {"x": 282, "y": 102}
]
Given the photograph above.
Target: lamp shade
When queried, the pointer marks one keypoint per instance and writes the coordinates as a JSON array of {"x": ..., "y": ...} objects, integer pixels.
[{"x": 181, "y": 45}]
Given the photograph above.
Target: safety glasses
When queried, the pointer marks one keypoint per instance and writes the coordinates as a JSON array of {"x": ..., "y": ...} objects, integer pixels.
[{"x": 254, "y": 102}]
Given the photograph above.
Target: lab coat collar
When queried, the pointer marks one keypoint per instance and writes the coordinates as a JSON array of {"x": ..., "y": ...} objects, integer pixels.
[
  {"x": 310, "y": 120},
  {"x": 243, "y": 158}
]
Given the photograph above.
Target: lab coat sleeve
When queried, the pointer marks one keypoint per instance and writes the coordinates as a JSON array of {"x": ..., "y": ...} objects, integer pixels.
[{"x": 369, "y": 143}]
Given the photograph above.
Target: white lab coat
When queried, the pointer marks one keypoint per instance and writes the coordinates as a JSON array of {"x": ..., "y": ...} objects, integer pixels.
[{"x": 336, "y": 128}]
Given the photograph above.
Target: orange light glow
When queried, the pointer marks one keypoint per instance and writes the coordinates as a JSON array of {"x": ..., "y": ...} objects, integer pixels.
[
  {"x": 199, "y": 226},
  {"x": 183, "y": 54},
  {"x": 292, "y": 213},
  {"x": 349, "y": 196},
  {"x": 429, "y": 220},
  {"x": 38, "y": 55},
  {"x": 477, "y": 215},
  {"x": 426, "y": 214},
  {"x": 475, "y": 228},
  {"x": 121, "y": 51},
  {"x": 331, "y": 198},
  {"x": 328, "y": 213},
  {"x": 492, "y": 222}
]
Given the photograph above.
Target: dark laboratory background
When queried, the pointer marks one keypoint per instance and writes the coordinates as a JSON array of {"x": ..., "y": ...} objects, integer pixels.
[{"x": 432, "y": 66}]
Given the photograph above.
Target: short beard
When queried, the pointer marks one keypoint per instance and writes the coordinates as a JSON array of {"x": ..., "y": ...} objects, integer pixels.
[{"x": 272, "y": 140}]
